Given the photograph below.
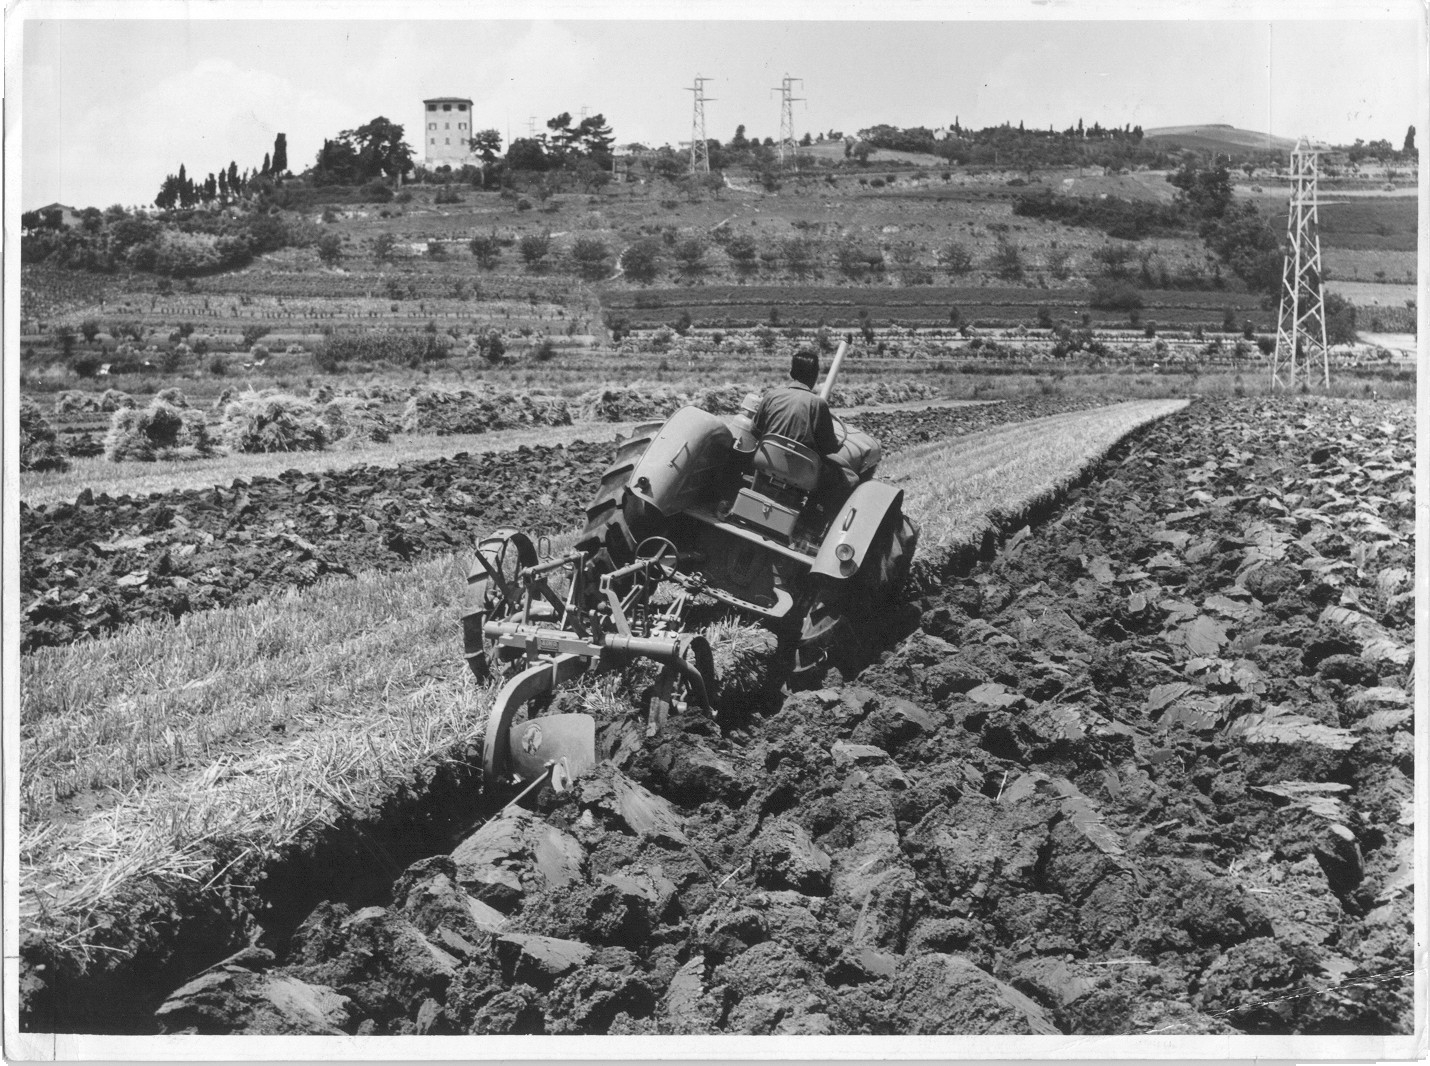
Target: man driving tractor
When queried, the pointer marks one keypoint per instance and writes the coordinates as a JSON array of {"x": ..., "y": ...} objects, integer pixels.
[{"x": 795, "y": 411}]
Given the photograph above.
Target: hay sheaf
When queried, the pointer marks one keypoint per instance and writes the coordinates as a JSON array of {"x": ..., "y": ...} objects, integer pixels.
[
  {"x": 353, "y": 422},
  {"x": 629, "y": 403},
  {"x": 445, "y": 412},
  {"x": 723, "y": 399},
  {"x": 73, "y": 400},
  {"x": 160, "y": 431},
  {"x": 39, "y": 448},
  {"x": 640, "y": 399},
  {"x": 273, "y": 422},
  {"x": 859, "y": 393}
]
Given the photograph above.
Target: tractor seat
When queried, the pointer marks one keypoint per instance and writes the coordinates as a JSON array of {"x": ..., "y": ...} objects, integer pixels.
[{"x": 786, "y": 462}]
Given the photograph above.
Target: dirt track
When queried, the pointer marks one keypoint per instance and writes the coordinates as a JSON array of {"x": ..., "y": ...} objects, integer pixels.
[{"x": 1147, "y": 770}]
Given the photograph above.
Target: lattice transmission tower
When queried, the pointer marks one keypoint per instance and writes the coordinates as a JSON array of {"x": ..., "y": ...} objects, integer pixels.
[
  {"x": 699, "y": 146},
  {"x": 1301, "y": 328},
  {"x": 788, "y": 146}
]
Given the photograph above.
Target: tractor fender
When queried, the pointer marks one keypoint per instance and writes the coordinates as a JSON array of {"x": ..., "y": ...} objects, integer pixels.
[{"x": 856, "y": 524}]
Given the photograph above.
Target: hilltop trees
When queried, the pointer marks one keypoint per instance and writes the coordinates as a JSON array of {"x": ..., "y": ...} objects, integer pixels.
[
  {"x": 590, "y": 138},
  {"x": 527, "y": 153},
  {"x": 581, "y": 148},
  {"x": 371, "y": 152},
  {"x": 1016, "y": 145},
  {"x": 487, "y": 145},
  {"x": 181, "y": 191}
]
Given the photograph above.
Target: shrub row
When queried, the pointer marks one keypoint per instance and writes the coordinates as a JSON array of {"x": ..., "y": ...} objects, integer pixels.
[{"x": 387, "y": 346}]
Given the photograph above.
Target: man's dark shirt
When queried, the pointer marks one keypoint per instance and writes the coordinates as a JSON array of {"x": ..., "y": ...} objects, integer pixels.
[{"x": 795, "y": 411}]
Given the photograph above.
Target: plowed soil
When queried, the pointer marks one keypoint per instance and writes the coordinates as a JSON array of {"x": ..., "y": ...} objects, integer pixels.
[
  {"x": 91, "y": 566},
  {"x": 1147, "y": 770}
]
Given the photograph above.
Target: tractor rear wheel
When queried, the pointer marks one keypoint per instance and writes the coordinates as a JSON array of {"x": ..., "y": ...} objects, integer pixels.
[
  {"x": 607, "y": 526},
  {"x": 877, "y": 585},
  {"x": 821, "y": 622},
  {"x": 835, "y": 610}
]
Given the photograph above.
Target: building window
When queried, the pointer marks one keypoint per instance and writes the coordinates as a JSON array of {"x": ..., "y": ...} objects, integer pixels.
[
  {"x": 431, "y": 125},
  {"x": 461, "y": 107},
  {"x": 434, "y": 140},
  {"x": 446, "y": 125},
  {"x": 446, "y": 107},
  {"x": 449, "y": 140},
  {"x": 431, "y": 107},
  {"x": 461, "y": 125}
]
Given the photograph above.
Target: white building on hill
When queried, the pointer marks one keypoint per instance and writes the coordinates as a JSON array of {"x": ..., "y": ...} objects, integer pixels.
[{"x": 447, "y": 135}]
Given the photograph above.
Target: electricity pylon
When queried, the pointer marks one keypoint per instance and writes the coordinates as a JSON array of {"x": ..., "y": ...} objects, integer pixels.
[
  {"x": 1301, "y": 328},
  {"x": 787, "y": 99},
  {"x": 699, "y": 147}
]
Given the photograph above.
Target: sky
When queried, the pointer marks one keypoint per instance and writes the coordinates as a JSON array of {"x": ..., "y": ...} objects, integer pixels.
[{"x": 110, "y": 103}]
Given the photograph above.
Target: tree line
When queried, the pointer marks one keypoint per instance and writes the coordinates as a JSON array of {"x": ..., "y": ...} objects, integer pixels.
[{"x": 228, "y": 184}]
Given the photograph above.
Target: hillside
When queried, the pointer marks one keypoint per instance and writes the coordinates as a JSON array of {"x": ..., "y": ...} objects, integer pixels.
[{"x": 1219, "y": 137}]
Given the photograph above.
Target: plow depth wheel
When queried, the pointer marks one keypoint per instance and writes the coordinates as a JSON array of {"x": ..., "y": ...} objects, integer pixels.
[
  {"x": 506, "y": 552},
  {"x": 492, "y": 591}
]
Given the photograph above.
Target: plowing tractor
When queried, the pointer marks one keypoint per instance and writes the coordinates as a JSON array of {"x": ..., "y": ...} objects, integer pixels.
[{"x": 695, "y": 510}]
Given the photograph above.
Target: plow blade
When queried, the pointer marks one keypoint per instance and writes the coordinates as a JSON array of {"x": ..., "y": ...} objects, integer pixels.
[
  {"x": 567, "y": 739},
  {"x": 498, "y": 749}
]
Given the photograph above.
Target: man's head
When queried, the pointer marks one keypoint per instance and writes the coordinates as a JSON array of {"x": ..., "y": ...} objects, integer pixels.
[{"x": 804, "y": 367}]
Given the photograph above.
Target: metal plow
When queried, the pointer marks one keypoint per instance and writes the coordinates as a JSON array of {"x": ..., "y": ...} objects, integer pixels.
[{"x": 553, "y": 619}]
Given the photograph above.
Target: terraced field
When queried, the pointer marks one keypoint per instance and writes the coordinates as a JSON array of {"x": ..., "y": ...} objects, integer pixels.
[{"x": 924, "y": 306}]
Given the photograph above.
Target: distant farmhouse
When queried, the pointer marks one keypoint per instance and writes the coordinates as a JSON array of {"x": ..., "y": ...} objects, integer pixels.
[
  {"x": 68, "y": 215},
  {"x": 449, "y": 131}
]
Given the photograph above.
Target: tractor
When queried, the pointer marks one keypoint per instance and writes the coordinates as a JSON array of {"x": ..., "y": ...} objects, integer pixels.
[{"x": 692, "y": 510}]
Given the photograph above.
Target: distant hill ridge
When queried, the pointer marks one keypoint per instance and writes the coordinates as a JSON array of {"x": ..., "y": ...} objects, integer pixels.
[{"x": 1220, "y": 135}]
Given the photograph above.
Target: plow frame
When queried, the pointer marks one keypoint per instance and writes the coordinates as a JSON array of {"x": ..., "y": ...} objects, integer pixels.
[{"x": 561, "y": 637}]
